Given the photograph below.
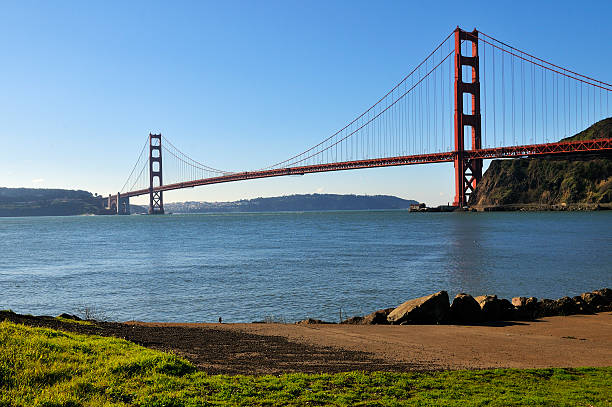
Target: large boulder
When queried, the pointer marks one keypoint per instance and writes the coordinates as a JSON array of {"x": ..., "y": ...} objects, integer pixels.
[
  {"x": 357, "y": 320},
  {"x": 566, "y": 306},
  {"x": 547, "y": 308},
  {"x": 507, "y": 311},
  {"x": 586, "y": 303},
  {"x": 606, "y": 293},
  {"x": 465, "y": 309},
  {"x": 431, "y": 309},
  {"x": 490, "y": 306},
  {"x": 581, "y": 306},
  {"x": 596, "y": 300},
  {"x": 525, "y": 307},
  {"x": 377, "y": 317}
]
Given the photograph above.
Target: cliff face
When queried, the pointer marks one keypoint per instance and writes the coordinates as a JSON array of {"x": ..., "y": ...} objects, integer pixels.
[{"x": 549, "y": 181}]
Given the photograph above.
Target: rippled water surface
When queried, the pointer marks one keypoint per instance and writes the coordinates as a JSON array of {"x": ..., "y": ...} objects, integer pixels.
[{"x": 290, "y": 266}]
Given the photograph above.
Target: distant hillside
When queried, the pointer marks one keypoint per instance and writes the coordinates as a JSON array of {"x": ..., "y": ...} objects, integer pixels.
[
  {"x": 48, "y": 202},
  {"x": 314, "y": 202},
  {"x": 550, "y": 181}
]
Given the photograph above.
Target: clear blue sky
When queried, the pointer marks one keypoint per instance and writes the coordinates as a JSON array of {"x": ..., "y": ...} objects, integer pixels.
[{"x": 239, "y": 85}]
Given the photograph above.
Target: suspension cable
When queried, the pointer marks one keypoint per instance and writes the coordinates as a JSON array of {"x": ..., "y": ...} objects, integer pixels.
[
  {"x": 362, "y": 114},
  {"x": 544, "y": 61},
  {"x": 135, "y": 165}
]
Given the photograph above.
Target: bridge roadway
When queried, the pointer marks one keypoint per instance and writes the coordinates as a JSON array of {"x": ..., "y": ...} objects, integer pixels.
[{"x": 561, "y": 148}]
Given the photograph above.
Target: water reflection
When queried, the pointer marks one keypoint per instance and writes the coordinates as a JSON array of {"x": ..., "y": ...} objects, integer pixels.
[{"x": 469, "y": 260}]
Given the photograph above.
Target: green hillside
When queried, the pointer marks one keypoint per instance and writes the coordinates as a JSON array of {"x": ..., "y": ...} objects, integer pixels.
[
  {"x": 601, "y": 129},
  {"x": 545, "y": 182},
  {"x": 310, "y": 202},
  {"x": 48, "y": 202}
]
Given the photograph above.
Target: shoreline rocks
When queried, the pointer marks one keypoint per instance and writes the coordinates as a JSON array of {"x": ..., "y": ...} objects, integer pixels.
[
  {"x": 429, "y": 309},
  {"x": 465, "y": 309}
]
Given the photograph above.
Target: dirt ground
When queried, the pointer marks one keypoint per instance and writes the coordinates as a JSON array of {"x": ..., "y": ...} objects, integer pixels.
[{"x": 572, "y": 341}]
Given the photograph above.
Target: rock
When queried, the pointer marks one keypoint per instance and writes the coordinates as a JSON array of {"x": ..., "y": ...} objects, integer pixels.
[
  {"x": 581, "y": 306},
  {"x": 353, "y": 320},
  {"x": 465, "y": 309},
  {"x": 566, "y": 306},
  {"x": 377, "y": 317},
  {"x": 547, "y": 308},
  {"x": 431, "y": 309},
  {"x": 490, "y": 306},
  {"x": 606, "y": 293},
  {"x": 312, "y": 321},
  {"x": 507, "y": 310},
  {"x": 595, "y": 301},
  {"x": 525, "y": 307}
]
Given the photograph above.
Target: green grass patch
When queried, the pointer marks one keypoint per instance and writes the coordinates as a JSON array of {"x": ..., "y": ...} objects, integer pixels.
[
  {"x": 43, "y": 367},
  {"x": 74, "y": 321}
]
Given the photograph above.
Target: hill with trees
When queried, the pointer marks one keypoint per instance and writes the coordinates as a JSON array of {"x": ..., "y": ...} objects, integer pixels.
[
  {"x": 311, "y": 202},
  {"x": 550, "y": 183},
  {"x": 49, "y": 202}
]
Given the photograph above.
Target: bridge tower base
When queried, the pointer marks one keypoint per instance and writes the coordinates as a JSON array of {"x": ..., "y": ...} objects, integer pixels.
[
  {"x": 118, "y": 204},
  {"x": 156, "y": 198},
  {"x": 468, "y": 172},
  {"x": 123, "y": 205}
]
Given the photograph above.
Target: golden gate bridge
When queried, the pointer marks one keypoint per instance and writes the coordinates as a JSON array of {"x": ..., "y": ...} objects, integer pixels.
[{"x": 472, "y": 98}]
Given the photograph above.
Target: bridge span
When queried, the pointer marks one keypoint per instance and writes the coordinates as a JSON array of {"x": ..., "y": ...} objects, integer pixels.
[{"x": 471, "y": 90}]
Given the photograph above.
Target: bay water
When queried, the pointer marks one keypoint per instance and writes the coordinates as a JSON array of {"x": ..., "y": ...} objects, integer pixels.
[{"x": 247, "y": 267}]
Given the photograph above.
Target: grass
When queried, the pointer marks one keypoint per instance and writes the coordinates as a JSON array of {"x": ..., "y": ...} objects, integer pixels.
[
  {"x": 43, "y": 367},
  {"x": 74, "y": 321}
]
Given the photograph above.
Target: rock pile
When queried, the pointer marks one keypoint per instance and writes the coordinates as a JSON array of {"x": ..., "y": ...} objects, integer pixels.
[{"x": 437, "y": 309}]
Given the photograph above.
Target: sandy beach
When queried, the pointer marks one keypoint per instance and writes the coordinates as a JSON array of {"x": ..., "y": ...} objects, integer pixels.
[{"x": 569, "y": 341}]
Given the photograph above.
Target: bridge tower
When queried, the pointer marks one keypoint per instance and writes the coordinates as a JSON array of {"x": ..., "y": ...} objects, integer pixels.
[
  {"x": 118, "y": 204},
  {"x": 156, "y": 199},
  {"x": 468, "y": 172}
]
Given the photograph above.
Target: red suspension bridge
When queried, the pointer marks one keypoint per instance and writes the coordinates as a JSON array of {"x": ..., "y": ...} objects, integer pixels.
[{"x": 472, "y": 98}]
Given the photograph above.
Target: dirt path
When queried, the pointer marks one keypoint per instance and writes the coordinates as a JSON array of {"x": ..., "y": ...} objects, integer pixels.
[
  {"x": 578, "y": 340},
  {"x": 217, "y": 350},
  {"x": 572, "y": 341}
]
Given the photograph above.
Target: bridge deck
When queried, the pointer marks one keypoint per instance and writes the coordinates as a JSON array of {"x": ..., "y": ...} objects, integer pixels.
[{"x": 569, "y": 147}]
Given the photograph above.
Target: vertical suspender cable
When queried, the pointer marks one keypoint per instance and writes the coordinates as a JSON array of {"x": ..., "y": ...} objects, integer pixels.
[
  {"x": 494, "y": 102},
  {"x": 512, "y": 96},
  {"x": 543, "y": 104},
  {"x": 523, "y": 100},
  {"x": 554, "y": 104},
  {"x": 435, "y": 111},
  {"x": 503, "y": 83},
  {"x": 581, "y": 106},
  {"x": 427, "y": 107},
  {"x": 442, "y": 101},
  {"x": 594, "y": 102},
  {"x": 484, "y": 84},
  {"x": 533, "y": 101},
  {"x": 421, "y": 114},
  {"x": 565, "y": 112}
]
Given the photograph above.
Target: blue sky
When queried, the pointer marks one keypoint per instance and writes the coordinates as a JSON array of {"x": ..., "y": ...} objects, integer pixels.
[{"x": 240, "y": 85}]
